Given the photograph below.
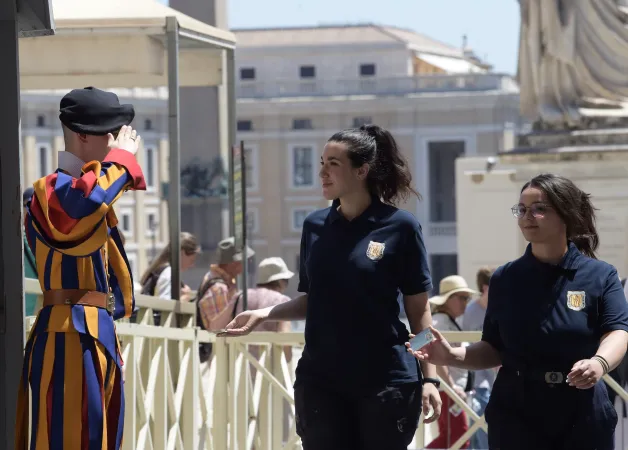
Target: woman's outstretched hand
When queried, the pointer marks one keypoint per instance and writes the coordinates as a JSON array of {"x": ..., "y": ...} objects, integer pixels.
[
  {"x": 437, "y": 352},
  {"x": 244, "y": 323}
]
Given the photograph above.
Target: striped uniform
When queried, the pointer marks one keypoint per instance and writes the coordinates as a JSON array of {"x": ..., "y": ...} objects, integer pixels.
[{"x": 72, "y": 358}]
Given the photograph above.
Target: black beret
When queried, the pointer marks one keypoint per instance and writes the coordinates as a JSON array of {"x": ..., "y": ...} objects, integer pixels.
[{"x": 93, "y": 111}]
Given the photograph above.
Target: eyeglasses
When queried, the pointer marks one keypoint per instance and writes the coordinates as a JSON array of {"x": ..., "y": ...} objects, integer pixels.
[{"x": 538, "y": 210}]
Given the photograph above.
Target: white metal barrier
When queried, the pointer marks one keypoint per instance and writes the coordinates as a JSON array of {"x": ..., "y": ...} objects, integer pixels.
[{"x": 241, "y": 399}]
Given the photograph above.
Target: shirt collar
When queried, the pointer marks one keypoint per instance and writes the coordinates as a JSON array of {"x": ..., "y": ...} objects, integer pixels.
[
  {"x": 222, "y": 274},
  {"x": 569, "y": 261},
  {"x": 370, "y": 213},
  {"x": 70, "y": 163}
]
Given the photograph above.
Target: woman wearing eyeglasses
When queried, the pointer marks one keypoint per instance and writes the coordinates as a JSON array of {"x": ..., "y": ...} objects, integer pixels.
[{"x": 557, "y": 322}]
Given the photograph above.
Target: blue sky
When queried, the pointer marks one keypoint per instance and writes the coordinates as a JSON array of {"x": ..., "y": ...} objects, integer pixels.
[{"x": 491, "y": 26}]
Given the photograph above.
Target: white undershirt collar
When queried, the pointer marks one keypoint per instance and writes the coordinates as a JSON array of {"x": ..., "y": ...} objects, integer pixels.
[{"x": 71, "y": 163}]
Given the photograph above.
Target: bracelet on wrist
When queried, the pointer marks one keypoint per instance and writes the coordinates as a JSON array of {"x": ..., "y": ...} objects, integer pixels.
[
  {"x": 434, "y": 381},
  {"x": 603, "y": 363}
]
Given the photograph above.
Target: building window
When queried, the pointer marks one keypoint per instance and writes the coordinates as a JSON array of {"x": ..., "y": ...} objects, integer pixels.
[
  {"x": 302, "y": 124},
  {"x": 367, "y": 70},
  {"x": 245, "y": 125},
  {"x": 298, "y": 217},
  {"x": 148, "y": 124},
  {"x": 442, "y": 157},
  {"x": 45, "y": 159},
  {"x": 41, "y": 121},
  {"x": 307, "y": 71},
  {"x": 152, "y": 225},
  {"x": 442, "y": 266},
  {"x": 247, "y": 73},
  {"x": 126, "y": 222},
  {"x": 359, "y": 121},
  {"x": 250, "y": 161},
  {"x": 151, "y": 167},
  {"x": 302, "y": 166}
]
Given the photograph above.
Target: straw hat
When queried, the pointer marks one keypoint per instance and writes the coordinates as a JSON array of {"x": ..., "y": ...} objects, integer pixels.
[
  {"x": 273, "y": 269},
  {"x": 449, "y": 286}
]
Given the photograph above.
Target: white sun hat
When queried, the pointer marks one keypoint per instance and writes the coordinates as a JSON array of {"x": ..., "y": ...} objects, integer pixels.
[{"x": 273, "y": 269}]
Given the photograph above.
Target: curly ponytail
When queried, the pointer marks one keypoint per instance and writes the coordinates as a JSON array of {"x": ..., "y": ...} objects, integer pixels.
[{"x": 389, "y": 177}]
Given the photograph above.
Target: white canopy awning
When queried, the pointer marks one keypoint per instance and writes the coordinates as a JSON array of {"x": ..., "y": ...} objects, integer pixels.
[
  {"x": 120, "y": 43},
  {"x": 450, "y": 64}
]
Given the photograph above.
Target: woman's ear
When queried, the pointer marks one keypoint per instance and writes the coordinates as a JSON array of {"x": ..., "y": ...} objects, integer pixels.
[{"x": 363, "y": 171}]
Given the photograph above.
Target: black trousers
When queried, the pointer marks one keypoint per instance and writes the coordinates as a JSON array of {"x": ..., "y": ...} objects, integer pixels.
[
  {"x": 524, "y": 414},
  {"x": 331, "y": 420}
]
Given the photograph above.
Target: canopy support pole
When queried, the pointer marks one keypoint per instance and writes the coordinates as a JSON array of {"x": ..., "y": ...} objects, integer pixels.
[
  {"x": 11, "y": 248},
  {"x": 174, "y": 200}
]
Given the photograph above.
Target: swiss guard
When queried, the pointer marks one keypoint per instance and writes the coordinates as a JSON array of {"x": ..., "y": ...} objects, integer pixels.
[{"x": 72, "y": 359}]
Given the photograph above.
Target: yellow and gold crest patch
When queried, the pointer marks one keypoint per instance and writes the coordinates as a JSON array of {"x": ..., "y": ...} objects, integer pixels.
[
  {"x": 576, "y": 300},
  {"x": 375, "y": 250}
]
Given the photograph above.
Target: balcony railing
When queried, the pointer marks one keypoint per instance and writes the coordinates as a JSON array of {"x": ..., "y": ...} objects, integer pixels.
[
  {"x": 375, "y": 86},
  {"x": 442, "y": 229}
]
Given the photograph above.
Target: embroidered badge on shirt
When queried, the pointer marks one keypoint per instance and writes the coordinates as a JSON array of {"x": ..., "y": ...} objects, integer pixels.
[
  {"x": 375, "y": 250},
  {"x": 576, "y": 300}
]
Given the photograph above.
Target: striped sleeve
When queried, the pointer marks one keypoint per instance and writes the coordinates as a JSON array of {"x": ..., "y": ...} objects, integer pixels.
[{"x": 69, "y": 212}]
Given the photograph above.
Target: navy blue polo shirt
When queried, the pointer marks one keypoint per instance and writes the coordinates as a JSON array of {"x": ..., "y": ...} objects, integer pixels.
[
  {"x": 352, "y": 272},
  {"x": 547, "y": 317}
]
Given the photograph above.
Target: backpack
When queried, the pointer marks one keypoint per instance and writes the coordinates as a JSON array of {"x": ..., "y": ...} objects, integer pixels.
[
  {"x": 148, "y": 288},
  {"x": 205, "y": 348}
]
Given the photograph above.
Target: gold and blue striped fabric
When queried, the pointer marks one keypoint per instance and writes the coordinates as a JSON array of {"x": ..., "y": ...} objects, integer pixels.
[{"x": 72, "y": 359}]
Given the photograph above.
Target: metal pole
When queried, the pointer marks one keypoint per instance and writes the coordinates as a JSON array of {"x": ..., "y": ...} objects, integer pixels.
[
  {"x": 174, "y": 200},
  {"x": 245, "y": 263},
  {"x": 231, "y": 127},
  {"x": 11, "y": 249}
]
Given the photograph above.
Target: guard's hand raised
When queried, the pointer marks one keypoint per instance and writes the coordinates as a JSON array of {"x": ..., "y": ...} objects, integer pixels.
[{"x": 127, "y": 139}]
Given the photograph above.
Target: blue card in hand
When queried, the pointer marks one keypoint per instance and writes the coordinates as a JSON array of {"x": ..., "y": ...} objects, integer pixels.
[{"x": 421, "y": 340}]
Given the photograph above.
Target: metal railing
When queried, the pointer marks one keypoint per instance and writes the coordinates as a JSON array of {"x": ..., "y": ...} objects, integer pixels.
[
  {"x": 443, "y": 229},
  {"x": 241, "y": 399},
  {"x": 376, "y": 85}
]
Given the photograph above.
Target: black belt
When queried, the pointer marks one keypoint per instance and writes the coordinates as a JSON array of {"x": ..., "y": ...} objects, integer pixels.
[{"x": 550, "y": 377}]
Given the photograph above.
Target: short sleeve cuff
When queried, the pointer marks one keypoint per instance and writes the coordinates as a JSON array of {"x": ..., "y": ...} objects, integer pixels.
[
  {"x": 614, "y": 327},
  {"x": 418, "y": 288}
]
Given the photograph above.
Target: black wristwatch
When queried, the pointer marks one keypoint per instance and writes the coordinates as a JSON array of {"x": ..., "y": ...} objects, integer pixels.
[{"x": 434, "y": 381}]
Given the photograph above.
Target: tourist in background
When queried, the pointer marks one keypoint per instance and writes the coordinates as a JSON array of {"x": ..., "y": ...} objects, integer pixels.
[
  {"x": 473, "y": 320},
  {"x": 447, "y": 310},
  {"x": 273, "y": 277},
  {"x": 157, "y": 279},
  {"x": 218, "y": 294}
]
